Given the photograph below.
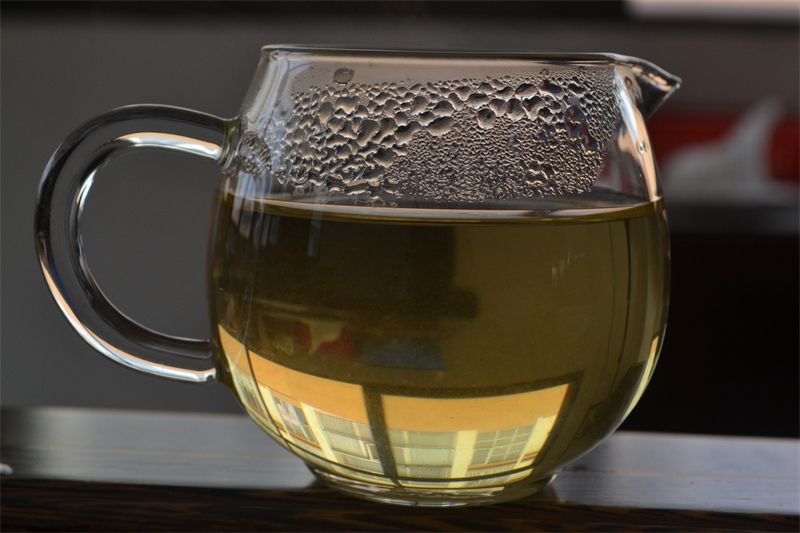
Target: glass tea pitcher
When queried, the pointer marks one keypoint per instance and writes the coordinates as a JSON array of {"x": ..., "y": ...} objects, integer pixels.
[{"x": 434, "y": 277}]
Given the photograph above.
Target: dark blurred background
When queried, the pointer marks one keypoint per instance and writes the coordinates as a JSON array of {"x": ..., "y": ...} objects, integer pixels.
[{"x": 727, "y": 145}]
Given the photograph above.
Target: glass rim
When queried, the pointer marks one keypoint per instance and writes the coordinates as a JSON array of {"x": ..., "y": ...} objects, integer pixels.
[
  {"x": 443, "y": 53},
  {"x": 651, "y": 69}
]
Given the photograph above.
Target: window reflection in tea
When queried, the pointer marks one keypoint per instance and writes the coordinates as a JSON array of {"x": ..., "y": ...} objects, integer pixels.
[{"x": 444, "y": 351}]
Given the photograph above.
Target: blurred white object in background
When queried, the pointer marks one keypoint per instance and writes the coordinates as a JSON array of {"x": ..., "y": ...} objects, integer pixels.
[
  {"x": 784, "y": 11},
  {"x": 733, "y": 169}
]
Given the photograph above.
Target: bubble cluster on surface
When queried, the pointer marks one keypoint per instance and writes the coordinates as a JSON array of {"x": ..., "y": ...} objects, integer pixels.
[{"x": 463, "y": 140}]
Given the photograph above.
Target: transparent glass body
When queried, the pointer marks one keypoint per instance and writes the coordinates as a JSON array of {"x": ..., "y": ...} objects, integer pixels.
[{"x": 436, "y": 278}]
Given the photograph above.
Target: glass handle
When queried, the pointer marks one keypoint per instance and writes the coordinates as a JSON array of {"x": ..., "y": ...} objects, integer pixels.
[{"x": 65, "y": 185}]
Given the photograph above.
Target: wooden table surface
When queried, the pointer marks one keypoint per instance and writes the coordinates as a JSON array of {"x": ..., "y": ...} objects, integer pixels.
[{"x": 101, "y": 470}]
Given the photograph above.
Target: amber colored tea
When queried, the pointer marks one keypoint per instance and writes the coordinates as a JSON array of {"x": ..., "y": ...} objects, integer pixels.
[{"x": 448, "y": 351}]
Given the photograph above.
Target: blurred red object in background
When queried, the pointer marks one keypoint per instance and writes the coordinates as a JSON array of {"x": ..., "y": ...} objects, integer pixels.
[{"x": 671, "y": 132}]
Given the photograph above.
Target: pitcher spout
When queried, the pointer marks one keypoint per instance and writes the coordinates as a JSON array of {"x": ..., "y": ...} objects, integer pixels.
[{"x": 656, "y": 85}]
